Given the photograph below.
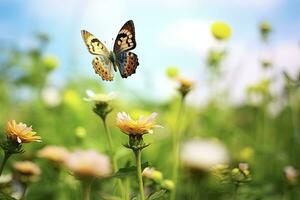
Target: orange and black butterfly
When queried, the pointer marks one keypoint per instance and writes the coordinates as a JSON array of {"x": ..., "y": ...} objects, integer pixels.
[{"x": 120, "y": 58}]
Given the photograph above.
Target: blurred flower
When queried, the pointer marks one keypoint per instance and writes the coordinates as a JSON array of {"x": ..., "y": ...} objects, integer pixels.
[
  {"x": 266, "y": 63},
  {"x": 215, "y": 57},
  {"x": 265, "y": 29},
  {"x": 221, "y": 172},
  {"x": 241, "y": 174},
  {"x": 141, "y": 126},
  {"x": 51, "y": 96},
  {"x": 53, "y": 153},
  {"x": 5, "y": 179},
  {"x": 172, "y": 72},
  {"x": 244, "y": 167},
  {"x": 27, "y": 168},
  {"x": 99, "y": 98},
  {"x": 50, "y": 62},
  {"x": 291, "y": 174},
  {"x": 72, "y": 99},
  {"x": 246, "y": 154},
  {"x": 168, "y": 184},
  {"x": 203, "y": 154},
  {"x": 80, "y": 132},
  {"x": 152, "y": 174},
  {"x": 292, "y": 82},
  {"x": 88, "y": 164},
  {"x": 221, "y": 30},
  {"x": 257, "y": 92},
  {"x": 102, "y": 107},
  {"x": 185, "y": 86},
  {"x": 21, "y": 133}
]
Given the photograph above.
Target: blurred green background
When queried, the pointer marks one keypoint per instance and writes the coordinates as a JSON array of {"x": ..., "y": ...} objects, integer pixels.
[{"x": 43, "y": 83}]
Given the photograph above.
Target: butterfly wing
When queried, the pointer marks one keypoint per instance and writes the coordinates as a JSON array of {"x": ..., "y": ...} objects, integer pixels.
[
  {"x": 93, "y": 44},
  {"x": 103, "y": 67},
  {"x": 125, "y": 40},
  {"x": 127, "y": 63}
]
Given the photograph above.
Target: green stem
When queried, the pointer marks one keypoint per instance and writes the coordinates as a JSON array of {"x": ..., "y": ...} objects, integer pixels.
[
  {"x": 176, "y": 140},
  {"x": 139, "y": 172},
  {"x": 6, "y": 156},
  {"x": 235, "y": 192},
  {"x": 112, "y": 155},
  {"x": 127, "y": 188},
  {"x": 23, "y": 197},
  {"x": 86, "y": 188}
]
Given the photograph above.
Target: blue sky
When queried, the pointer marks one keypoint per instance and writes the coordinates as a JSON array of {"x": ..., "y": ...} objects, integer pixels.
[{"x": 168, "y": 32}]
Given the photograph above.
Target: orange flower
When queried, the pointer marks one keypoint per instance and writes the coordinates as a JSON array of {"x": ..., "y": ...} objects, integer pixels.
[
  {"x": 27, "y": 168},
  {"x": 136, "y": 127},
  {"x": 21, "y": 132},
  {"x": 53, "y": 153}
]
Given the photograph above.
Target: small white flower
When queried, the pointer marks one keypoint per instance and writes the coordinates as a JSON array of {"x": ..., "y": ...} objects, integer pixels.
[
  {"x": 51, "y": 96},
  {"x": 203, "y": 154},
  {"x": 92, "y": 96}
]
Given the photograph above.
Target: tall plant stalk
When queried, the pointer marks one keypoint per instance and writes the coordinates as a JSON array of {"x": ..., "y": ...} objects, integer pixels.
[
  {"x": 112, "y": 156},
  {"x": 139, "y": 173},
  {"x": 176, "y": 146},
  {"x": 5, "y": 158}
]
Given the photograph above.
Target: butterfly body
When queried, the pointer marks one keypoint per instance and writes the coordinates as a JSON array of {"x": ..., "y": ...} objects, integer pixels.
[{"x": 120, "y": 58}]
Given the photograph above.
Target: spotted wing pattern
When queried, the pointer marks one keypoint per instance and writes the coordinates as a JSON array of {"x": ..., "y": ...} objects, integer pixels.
[
  {"x": 127, "y": 63},
  {"x": 103, "y": 67},
  {"x": 93, "y": 44},
  {"x": 125, "y": 40}
]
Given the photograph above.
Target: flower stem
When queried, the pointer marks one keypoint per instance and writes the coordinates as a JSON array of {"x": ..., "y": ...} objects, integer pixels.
[
  {"x": 112, "y": 154},
  {"x": 127, "y": 188},
  {"x": 176, "y": 140},
  {"x": 86, "y": 188},
  {"x": 6, "y": 156},
  {"x": 235, "y": 192},
  {"x": 139, "y": 172}
]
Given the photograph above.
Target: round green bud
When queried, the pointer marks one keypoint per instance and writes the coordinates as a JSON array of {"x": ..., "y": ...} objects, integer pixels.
[
  {"x": 80, "y": 132},
  {"x": 168, "y": 184},
  {"x": 157, "y": 176},
  {"x": 50, "y": 62}
]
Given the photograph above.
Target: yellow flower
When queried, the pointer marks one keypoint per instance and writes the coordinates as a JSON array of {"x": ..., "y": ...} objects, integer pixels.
[
  {"x": 88, "y": 164},
  {"x": 141, "y": 126},
  {"x": 221, "y": 30},
  {"x": 172, "y": 72},
  {"x": 27, "y": 168},
  {"x": 186, "y": 85},
  {"x": 53, "y": 153},
  {"x": 21, "y": 132},
  {"x": 99, "y": 98},
  {"x": 246, "y": 154}
]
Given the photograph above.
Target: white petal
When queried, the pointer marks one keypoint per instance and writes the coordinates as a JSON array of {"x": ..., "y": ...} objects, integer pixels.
[
  {"x": 90, "y": 93},
  {"x": 151, "y": 117}
]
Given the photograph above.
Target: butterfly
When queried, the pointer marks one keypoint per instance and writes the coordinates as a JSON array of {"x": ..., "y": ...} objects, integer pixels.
[{"x": 106, "y": 61}]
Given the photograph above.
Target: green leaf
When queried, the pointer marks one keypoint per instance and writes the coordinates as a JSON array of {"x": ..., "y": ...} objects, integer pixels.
[
  {"x": 157, "y": 195},
  {"x": 128, "y": 171},
  {"x": 4, "y": 196}
]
